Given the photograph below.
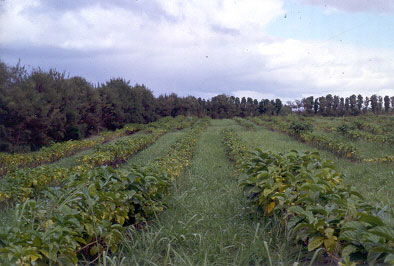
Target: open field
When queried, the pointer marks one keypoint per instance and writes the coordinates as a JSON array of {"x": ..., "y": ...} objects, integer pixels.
[{"x": 179, "y": 195}]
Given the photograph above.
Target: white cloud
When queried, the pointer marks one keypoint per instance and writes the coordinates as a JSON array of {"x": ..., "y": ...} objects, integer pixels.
[
  {"x": 239, "y": 15},
  {"x": 329, "y": 67},
  {"x": 380, "y": 6},
  {"x": 98, "y": 27},
  {"x": 208, "y": 47},
  {"x": 253, "y": 94}
]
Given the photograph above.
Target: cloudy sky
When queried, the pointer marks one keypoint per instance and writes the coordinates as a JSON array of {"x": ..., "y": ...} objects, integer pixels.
[{"x": 258, "y": 48}]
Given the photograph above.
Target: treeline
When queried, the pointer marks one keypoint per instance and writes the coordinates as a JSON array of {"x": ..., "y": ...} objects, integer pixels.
[
  {"x": 339, "y": 106},
  {"x": 40, "y": 107}
]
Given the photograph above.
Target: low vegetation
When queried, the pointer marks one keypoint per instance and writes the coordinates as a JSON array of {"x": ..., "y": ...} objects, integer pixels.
[
  {"x": 85, "y": 215},
  {"x": 224, "y": 192},
  {"x": 315, "y": 206}
]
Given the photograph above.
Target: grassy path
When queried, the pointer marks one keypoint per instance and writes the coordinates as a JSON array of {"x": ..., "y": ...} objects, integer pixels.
[
  {"x": 207, "y": 221},
  {"x": 373, "y": 180},
  {"x": 156, "y": 150}
]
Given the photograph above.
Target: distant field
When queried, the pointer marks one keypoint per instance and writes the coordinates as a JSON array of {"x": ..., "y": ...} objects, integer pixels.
[{"x": 177, "y": 193}]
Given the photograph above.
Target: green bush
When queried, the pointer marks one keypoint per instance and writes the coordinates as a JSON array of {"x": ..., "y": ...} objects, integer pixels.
[{"x": 298, "y": 127}]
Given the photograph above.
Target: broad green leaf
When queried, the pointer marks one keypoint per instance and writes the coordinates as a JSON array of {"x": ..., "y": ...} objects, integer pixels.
[
  {"x": 315, "y": 243},
  {"x": 330, "y": 244},
  {"x": 371, "y": 219},
  {"x": 383, "y": 231},
  {"x": 349, "y": 235}
]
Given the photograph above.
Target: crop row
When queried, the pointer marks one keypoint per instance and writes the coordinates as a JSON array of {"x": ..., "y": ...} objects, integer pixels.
[
  {"x": 88, "y": 213},
  {"x": 377, "y": 125},
  {"x": 300, "y": 131},
  {"x": 10, "y": 162},
  {"x": 356, "y": 134},
  {"x": 386, "y": 159},
  {"x": 26, "y": 182},
  {"x": 318, "y": 210},
  {"x": 236, "y": 149},
  {"x": 351, "y": 131},
  {"x": 119, "y": 151}
]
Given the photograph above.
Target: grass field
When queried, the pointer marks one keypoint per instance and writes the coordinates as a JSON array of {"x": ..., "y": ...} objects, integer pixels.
[{"x": 207, "y": 219}]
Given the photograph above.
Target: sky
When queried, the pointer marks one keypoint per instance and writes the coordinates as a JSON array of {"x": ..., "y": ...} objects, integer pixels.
[{"x": 285, "y": 49}]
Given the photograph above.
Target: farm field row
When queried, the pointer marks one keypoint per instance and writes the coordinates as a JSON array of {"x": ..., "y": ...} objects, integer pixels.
[
  {"x": 83, "y": 216},
  {"x": 190, "y": 210},
  {"x": 73, "y": 148},
  {"x": 28, "y": 182},
  {"x": 208, "y": 220},
  {"x": 374, "y": 180},
  {"x": 314, "y": 205},
  {"x": 342, "y": 138},
  {"x": 55, "y": 152}
]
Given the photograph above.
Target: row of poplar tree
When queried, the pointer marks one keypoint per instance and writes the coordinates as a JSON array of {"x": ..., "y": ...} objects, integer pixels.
[
  {"x": 41, "y": 107},
  {"x": 338, "y": 106}
]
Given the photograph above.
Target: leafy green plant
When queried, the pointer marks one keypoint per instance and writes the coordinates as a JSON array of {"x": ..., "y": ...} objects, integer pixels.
[
  {"x": 12, "y": 162},
  {"x": 298, "y": 127},
  {"x": 236, "y": 149},
  {"x": 26, "y": 182},
  {"x": 87, "y": 214},
  {"x": 317, "y": 208},
  {"x": 345, "y": 128},
  {"x": 302, "y": 131}
]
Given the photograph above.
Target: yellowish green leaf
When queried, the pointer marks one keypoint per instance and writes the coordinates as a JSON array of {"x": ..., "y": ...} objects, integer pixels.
[
  {"x": 270, "y": 207},
  {"x": 315, "y": 243}
]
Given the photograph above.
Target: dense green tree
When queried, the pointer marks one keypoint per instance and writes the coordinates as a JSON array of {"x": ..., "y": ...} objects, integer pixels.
[
  {"x": 255, "y": 107},
  {"x": 359, "y": 103},
  {"x": 335, "y": 105},
  {"x": 392, "y": 103},
  {"x": 316, "y": 106},
  {"x": 341, "y": 110},
  {"x": 322, "y": 105},
  {"x": 353, "y": 104},
  {"x": 329, "y": 104},
  {"x": 262, "y": 107},
  {"x": 374, "y": 103},
  {"x": 380, "y": 104},
  {"x": 308, "y": 105},
  {"x": 366, "y": 104},
  {"x": 347, "y": 105},
  {"x": 243, "y": 107},
  {"x": 278, "y": 106},
  {"x": 386, "y": 104}
]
